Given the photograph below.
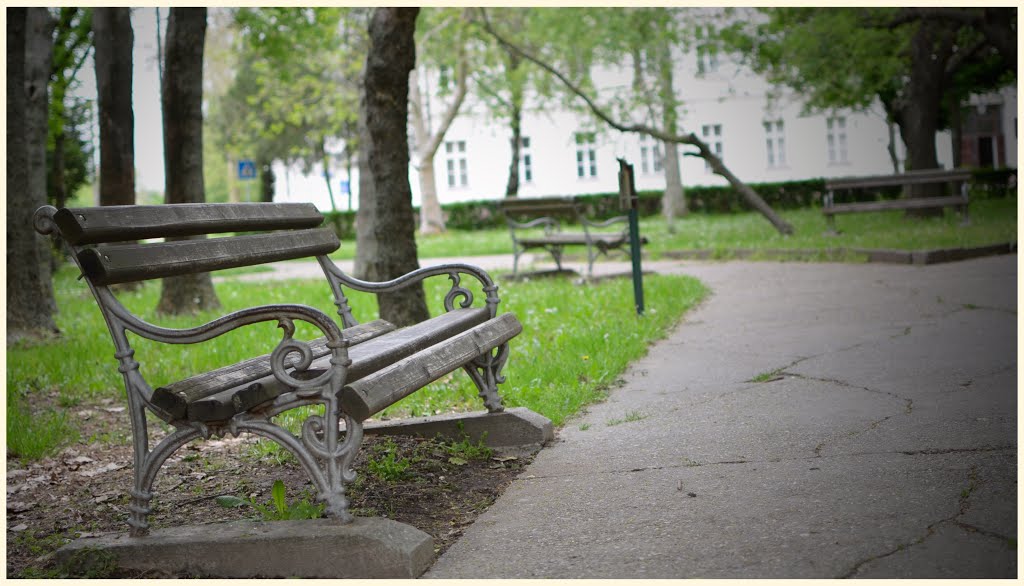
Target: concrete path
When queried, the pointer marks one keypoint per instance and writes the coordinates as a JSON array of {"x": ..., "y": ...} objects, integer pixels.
[
  {"x": 886, "y": 445},
  {"x": 883, "y": 445}
]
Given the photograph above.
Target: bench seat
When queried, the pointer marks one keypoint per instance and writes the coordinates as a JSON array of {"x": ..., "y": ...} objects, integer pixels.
[{"x": 221, "y": 394}]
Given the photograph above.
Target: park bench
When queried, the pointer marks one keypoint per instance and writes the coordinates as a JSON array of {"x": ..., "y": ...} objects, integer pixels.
[
  {"x": 549, "y": 213},
  {"x": 956, "y": 177},
  {"x": 355, "y": 370}
]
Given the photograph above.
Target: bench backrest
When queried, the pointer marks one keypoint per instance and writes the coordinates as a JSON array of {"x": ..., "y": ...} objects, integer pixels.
[
  {"x": 536, "y": 207},
  {"x": 104, "y": 238},
  {"x": 924, "y": 176}
]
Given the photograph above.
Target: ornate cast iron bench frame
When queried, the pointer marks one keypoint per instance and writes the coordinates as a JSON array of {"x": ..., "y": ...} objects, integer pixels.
[
  {"x": 546, "y": 213},
  {"x": 355, "y": 370}
]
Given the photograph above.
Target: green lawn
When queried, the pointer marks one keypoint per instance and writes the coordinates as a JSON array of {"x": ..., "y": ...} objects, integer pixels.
[
  {"x": 992, "y": 221},
  {"x": 576, "y": 340}
]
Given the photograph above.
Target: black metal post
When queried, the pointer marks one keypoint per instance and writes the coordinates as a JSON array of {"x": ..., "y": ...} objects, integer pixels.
[{"x": 628, "y": 199}]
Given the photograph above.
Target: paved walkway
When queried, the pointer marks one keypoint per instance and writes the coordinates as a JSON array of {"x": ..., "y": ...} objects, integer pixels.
[{"x": 885, "y": 444}]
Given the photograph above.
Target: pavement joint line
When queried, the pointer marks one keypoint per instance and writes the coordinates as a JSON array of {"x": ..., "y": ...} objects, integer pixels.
[{"x": 807, "y": 459}]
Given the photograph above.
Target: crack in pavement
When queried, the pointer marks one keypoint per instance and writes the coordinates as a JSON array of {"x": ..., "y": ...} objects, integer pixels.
[
  {"x": 909, "y": 408},
  {"x": 964, "y": 504}
]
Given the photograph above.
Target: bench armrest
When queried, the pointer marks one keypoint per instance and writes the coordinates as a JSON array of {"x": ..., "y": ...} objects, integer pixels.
[
  {"x": 549, "y": 224},
  {"x": 605, "y": 223},
  {"x": 451, "y": 270},
  {"x": 284, "y": 314}
]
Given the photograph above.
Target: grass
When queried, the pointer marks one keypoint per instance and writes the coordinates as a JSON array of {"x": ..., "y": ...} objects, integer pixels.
[
  {"x": 576, "y": 341},
  {"x": 993, "y": 221}
]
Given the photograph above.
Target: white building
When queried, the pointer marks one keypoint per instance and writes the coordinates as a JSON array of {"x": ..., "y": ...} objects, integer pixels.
[{"x": 759, "y": 139}]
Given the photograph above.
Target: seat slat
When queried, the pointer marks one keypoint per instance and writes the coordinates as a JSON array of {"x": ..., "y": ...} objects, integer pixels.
[
  {"x": 387, "y": 386},
  {"x": 108, "y": 264},
  {"x": 95, "y": 225},
  {"x": 895, "y": 204},
  {"x": 175, "y": 398},
  {"x": 367, "y": 357}
]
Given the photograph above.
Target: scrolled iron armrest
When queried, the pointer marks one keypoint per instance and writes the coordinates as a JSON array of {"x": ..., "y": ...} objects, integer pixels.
[
  {"x": 550, "y": 224},
  {"x": 605, "y": 223},
  {"x": 451, "y": 270},
  {"x": 284, "y": 314}
]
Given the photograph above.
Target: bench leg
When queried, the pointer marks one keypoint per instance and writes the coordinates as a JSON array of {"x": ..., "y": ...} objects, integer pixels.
[
  {"x": 556, "y": 253},
  {"x": 516, "y": 251},
  {"x": 486, "y": 374}
]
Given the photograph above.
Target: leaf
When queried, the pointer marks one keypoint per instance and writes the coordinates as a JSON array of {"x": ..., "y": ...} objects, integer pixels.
[
  {"x": 277, "y": 493},
  {"x": 504, "y": 458},
  {"x": 229, "y": 501},
  {"x": 457, "y": 461}
]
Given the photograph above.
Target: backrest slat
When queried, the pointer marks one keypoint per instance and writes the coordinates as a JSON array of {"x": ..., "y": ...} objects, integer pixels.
[
  {"x": 540, "y": 206},
  {"x": 96, "y": 225},
  {"x": 108, "y": 264}
]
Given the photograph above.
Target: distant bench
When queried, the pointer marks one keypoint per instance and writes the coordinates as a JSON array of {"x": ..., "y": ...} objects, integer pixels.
[
  {"x": 523, "y": 213},
  {"x": 956, "y": 177},
  {"x": 353, "y": 371}
]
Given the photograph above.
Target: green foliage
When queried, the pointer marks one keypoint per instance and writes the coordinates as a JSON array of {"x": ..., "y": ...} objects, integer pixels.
[
  {"x": 386, "y": 465},
  {"x": 278, "y": 509},
  {"x": 33, "y": 435},
  {"x": 72, "y": 43},
  {"x": 465, "y": 449}
]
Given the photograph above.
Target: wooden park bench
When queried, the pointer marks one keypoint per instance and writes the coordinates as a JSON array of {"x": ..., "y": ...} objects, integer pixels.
[
  {"x": 355, "y": 370},
  {"x": 549, "y": 213},
  {"x": 956, "y": 177}
]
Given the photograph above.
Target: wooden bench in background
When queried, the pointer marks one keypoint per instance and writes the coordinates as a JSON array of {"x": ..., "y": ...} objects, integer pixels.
[
  {"x": 551, "y": 214},
  {"x": 355, "y": 370},
  {"x": 957, "y": 178}
]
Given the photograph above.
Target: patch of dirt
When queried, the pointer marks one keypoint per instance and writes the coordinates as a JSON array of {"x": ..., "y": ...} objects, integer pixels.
[{"x": 83, "y": 490}]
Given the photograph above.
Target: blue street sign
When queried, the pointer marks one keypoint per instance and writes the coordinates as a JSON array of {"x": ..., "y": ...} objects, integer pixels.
[
  {"x": 344, "y": 185},
  {"x": 246, "y": 169}
]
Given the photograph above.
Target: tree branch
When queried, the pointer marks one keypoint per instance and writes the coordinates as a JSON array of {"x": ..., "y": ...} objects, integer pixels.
[{"x": 691, "y": 139}]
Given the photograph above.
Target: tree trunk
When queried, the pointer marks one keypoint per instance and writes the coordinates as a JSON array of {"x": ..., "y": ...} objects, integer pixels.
[
  {"x": 431, "y": 214},
  {"x": 268, "y": 180},
  {"x": 919, "y": 111},
  {"x": 113, "y": 41},
  {"x": 30, "y": 303},
  {"x": 516, "y": 122},
  {"x": 386, "y": 248},
  {"x": 183, "y": 145},
  {"x": 673, "y": 203}
]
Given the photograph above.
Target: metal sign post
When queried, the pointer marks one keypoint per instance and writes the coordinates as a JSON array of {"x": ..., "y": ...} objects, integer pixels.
[{"x": 628, "y": 200}]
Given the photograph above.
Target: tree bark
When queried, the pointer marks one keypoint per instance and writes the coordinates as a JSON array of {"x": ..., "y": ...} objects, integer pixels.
[
  {"x": 30, "y": 302},
  {"x": 386, "y": 247},
  {"x": 113, "y": 41},
  {"x": 182, "y": 95},
  {"x": 431, "y": 216},
  {"x": 918, "y": 112},
  {"x": 512, "y": 64},
  {"x": 673, "y": 202}
]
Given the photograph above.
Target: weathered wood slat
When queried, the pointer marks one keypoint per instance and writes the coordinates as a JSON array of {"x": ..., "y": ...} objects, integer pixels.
[
  {"x": 108, "y": 264},
  {"x": 895, "y": 204},
  {"x": 385, "y": 387},
  {"x": 610, "y": 240},
  {"x": 367, "y": 357},
  {"x": 540, "y": 206},
  {"x": 175, "y": 399},
  {"x": 908, "y": 178},
  {"x": 94, "y": 225}
]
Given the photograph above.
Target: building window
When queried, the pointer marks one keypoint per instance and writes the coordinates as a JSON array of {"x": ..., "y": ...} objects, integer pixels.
[
  {"x": 707, "y": 53},
  {"x": 651, "y": 160},
  {"x": 775, "y": 143},
  {"x": 836, "y": 137},
  {"x": 455, "y": 155},
  {"x": 712, "y": 134},
  {"x": 586, "y": 155},
  {"x": 525, "y": 161}
]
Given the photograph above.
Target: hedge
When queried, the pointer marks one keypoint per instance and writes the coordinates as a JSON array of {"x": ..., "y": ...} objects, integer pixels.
[{"x": 786, "y": 195}]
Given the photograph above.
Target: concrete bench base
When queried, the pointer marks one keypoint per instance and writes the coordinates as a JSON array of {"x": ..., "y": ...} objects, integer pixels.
[
  {"x": 516, "y": 428},
  {"x": 318, "y": 548}
]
